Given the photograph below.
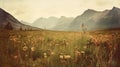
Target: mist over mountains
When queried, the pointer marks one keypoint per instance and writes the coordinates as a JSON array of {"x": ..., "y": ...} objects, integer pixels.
[
  {"x": 45, "y": 23},
  {"x": 53, "y": 23},
  {"x": 63, "y": 23},
  {"x": 92, "y": 20},
  {"x": 97, "y": 20}
]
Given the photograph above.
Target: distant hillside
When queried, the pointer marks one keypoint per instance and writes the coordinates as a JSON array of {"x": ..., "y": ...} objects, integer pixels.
[
  {"x": 63, "y": 23},
  {"x": 97, "y": 20},
  {"x": 7, "y": 21},
  {"x": 53, "y": 23},
  {"x": 45, "y": 23}
]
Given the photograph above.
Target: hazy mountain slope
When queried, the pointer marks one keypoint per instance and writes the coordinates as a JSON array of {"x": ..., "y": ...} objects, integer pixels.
[
  {"x": 45, "y": 23},
  {"x": 94, "y": 20},
  {"x": 63, "y": 23},
  {"x": 53, "y": 23},
  {"x": 111, "y": 20},
  {"x": 8, "y": 19}
]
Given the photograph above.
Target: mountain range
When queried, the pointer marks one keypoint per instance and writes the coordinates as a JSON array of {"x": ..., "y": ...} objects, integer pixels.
[
  {"x": 97, "y": 20},
  {"x": 7, "y": 21},
  {"x": 53, "y": 23},
  {"x": 45, "y": 23},
  {"x": 89, "y": 20}
]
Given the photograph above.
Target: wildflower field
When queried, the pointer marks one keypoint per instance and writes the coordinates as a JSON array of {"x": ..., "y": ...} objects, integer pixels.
[{"x": 59, "y": 49}]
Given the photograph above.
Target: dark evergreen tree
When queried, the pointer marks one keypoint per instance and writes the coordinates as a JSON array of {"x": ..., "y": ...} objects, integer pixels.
[
  {"x": 21, "y": 28},
  {"x": 8, "y": 26}
]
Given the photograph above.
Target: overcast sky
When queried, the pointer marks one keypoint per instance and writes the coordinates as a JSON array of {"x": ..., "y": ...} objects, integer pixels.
[{"x": 30, "y": 10}]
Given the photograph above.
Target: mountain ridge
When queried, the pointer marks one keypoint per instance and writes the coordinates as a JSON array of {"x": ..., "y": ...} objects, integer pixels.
[
  {"x": 92, "y": 20},
  {"x": 51, "y": 23},
  {"x": 95, "y": 20},
  {"x": 7, "y": 19}
]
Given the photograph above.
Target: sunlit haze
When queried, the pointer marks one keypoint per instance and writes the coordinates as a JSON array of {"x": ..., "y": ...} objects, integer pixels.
[{"x": 30, "y": 10}]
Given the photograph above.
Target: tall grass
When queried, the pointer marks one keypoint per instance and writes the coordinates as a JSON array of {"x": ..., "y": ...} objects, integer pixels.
[{"x": 58, "y": 49}]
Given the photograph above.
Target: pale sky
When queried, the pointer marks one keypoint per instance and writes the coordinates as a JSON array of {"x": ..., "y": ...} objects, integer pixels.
[{"x": 30, "y": 10}]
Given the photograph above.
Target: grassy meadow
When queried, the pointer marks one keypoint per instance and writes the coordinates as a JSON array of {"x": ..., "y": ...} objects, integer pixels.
[{"x": 59, "y": 49}]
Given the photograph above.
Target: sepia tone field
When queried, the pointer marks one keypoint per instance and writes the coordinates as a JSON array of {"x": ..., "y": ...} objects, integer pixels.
[{"x": 59, "y": 49}]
